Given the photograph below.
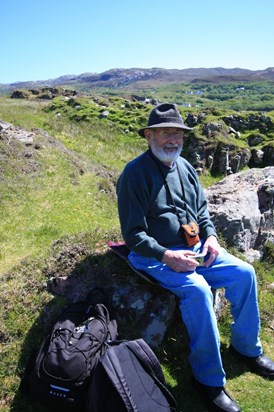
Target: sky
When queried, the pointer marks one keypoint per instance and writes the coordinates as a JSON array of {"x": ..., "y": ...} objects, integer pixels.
[{"x": 45, "y": 39}]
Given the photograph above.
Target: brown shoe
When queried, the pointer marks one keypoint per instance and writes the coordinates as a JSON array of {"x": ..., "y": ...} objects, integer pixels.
[
  {"x": 216, "y": 398},
  {"x": 261, "y": 364}
]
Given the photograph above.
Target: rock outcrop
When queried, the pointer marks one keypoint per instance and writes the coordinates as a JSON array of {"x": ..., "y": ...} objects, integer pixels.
[
  {"x": 242, "y": 208},
  {"x": 45, "y": 93},
  {"x": 214, "y": 150},
  {"x": 11, "y": 132},
  {"x": 141, "y": 309}
]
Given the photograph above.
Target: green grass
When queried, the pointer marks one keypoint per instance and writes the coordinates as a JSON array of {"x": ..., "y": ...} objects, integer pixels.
[
  {"x": 66, "y": 190},
  {"x": 44, "y": 214},
  {"x": 57, "y": 191},
  {"x": 47, "y": 203}
]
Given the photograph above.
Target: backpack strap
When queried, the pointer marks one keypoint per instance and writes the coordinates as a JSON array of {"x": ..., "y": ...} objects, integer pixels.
[
  {"x": 150, "y": 362},
  {"x": 110, "y": 361},
  {"x": 146, "y": 356},
  {"x": 121, "y": 354}
]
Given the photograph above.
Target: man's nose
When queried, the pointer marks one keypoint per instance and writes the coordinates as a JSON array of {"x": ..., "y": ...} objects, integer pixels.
[{"x": 172, "y": 138}]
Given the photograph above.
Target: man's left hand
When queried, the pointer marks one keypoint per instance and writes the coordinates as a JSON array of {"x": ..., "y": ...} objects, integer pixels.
[{"x": 212, "y": 247}]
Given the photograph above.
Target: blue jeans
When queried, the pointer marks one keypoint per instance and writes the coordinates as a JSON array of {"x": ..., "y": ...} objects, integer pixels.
[{"x": 193, "y": 289}]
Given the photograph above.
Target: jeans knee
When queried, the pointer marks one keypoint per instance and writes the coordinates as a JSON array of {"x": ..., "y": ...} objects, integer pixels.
[{"x": 247, "y": 274}]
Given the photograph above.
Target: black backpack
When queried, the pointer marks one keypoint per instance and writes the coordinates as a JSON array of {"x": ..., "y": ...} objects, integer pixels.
[
  {"x": 60, "y": 374},
  {"x": 129, "y": 378}
]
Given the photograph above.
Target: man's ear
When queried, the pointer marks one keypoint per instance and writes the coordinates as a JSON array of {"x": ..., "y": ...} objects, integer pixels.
[{"x": 147, "y": 134}]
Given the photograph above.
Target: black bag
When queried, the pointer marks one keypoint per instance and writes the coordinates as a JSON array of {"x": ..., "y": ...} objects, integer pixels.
[
  {"x": 129, "y": 378},
  {"x": 60, "y": 374}
]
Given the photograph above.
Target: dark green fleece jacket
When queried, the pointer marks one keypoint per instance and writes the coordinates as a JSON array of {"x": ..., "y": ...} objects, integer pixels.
[{"x": 148, "y": 220}]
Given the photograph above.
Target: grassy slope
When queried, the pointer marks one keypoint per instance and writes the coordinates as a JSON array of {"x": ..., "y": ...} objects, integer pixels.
[
  {"x": 55, "y": 191},
  {"x": 64, "y": 188}
]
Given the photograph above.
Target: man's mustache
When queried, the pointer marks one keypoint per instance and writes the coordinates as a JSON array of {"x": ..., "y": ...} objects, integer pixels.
[{"x": 171, "y": 146}]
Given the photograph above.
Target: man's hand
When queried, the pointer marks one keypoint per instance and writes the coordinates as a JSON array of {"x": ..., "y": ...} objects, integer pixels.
[
  {"x": 180, "y": 260},
  {"x": 212, "y": 247}
]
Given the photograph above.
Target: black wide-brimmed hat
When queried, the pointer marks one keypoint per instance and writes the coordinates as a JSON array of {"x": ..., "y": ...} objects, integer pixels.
[{"x": 164, "y": 115}]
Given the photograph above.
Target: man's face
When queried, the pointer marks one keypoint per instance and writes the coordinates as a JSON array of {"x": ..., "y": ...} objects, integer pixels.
[{"x": 166, "y": 143}]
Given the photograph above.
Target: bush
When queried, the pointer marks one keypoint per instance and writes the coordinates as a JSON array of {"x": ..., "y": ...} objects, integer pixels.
[{"x": 268, "y": 252}]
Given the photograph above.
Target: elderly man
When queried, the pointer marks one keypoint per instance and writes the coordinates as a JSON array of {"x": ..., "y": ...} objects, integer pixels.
[{"x": 165, "y": 223}]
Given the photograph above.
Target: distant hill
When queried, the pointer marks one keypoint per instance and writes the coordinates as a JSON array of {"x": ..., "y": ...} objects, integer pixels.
[{"x": 138, "y": 77}]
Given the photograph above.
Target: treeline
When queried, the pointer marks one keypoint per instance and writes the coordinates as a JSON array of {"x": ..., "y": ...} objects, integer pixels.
[{"x": 240, "y": 96}]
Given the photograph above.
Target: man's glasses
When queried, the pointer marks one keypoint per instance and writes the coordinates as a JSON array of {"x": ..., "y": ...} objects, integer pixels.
[{"x": 167, "y": 134}]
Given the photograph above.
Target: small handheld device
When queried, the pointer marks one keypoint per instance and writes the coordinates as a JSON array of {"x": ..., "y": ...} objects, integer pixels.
[{"x": 199, "y": 257}]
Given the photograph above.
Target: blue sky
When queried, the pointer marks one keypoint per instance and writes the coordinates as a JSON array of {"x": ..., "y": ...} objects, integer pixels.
[{"x": 44, "y": 39}]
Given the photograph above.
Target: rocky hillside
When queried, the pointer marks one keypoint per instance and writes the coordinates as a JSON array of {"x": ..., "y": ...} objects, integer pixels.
[
  {"x": 215, "y": 144},
  {"x": 118, "y": 77},
  {"x": 222, "y": 142}
]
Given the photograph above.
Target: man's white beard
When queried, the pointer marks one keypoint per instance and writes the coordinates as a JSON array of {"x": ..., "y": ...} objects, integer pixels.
[{"x": 165, "y": 157}]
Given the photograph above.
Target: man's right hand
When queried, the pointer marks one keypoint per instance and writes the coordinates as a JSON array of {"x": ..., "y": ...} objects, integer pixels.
[{"x": 180, "y": 260}]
